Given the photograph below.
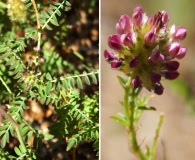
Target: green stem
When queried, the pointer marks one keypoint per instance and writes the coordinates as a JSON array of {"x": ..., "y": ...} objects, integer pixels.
[
  {"x": 3, "y": 5},
  {"x": 8, "y": 89},
  {"x": 38, "y": 24},
  {"x": 129, "y": 107},
  {"x": 153, "y": 150},
  {"x": 16, "y": 125}
]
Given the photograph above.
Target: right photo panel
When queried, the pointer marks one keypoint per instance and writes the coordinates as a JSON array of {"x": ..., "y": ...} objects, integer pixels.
[{"x": 147, "y": 80}]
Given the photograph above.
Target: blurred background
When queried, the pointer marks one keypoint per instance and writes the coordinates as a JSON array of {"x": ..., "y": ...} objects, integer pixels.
[{"x": 177, "y": 136}]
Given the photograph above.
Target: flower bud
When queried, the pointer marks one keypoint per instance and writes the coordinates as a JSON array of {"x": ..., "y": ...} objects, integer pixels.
[
  {"x": 165, "y": 17},
  {"x": 137, "y": 17},
  {"x": 127, "y": 39},
  {"x": 124, "y": 24},
  {"x": 114, "y": 42},
  {"x": 116, "y": 63},
  {"x": 171, "y": 75},
  {"x": 158, "y": 89},
  {"x": 155, "y": 77},
  {"x": 156, "y": 56},
  {"x": 136, "y": 82},
  {"x": 134, "y": 62},
  {"x": 180, "y": 33},
  {"x": 109, "y": 56},
  {"x": 172, "y": 65},
  {"x": 182, "y": 52},
  {"x": 150, "y": 37},
  {"x": 173, "y": 49}
]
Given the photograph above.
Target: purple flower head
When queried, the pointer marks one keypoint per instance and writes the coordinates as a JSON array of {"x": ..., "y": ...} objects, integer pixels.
[
  {"x": 180, "y": 33},
  {"x": 134, "y": 62},
  {"x": 114, "y": 42},
  {"x": 127, "y": 39},
  {"x": 150, "y": 37},
  {"x": 116, "y": 63},
  {"x": 146, "y": 49},
  {"x": 109, "y": 56},
  {"x": 124, "y": 24},
  {"x": 136, "y": 82}
]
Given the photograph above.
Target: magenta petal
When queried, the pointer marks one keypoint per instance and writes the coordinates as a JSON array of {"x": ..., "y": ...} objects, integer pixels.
[
  {"x": 150, "y": 37},
  {"x": 155, "y": 77},
  {"x": 109, "y": 56},
  {"x": 172, "y": 65},
  {"x": 165, "y": 17},
  {"x": 134, "y": 62},
  {"x": 173, "y": 49},
  {"x": 171, "y": 75},
  {"x": 181, "y": 53},
  {"x": 127, "y": 39},
  {"x": 114, "y": 42},
  {"x": 116, "y": 63},
  {"x": 137, "y": 17},
  {"x": 136, "y": 82},
  {"x": 180, "y": 33},
  {"x": 156, "y": 56},
  {"x": 158, "y": 89}
]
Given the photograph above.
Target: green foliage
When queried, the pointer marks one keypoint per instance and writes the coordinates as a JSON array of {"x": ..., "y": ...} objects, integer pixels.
[{"x": 47, "y": 77}]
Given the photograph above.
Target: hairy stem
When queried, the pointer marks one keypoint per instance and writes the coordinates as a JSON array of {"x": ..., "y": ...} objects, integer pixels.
[
  {"x": 129, "y": 107},
  {"x": 38, "y": 24},
  {"x": 153, "y": 150}
]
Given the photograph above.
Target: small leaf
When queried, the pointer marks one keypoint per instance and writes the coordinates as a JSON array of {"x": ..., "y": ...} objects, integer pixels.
[
  {"x": 48, "y": 88},
  {"x": 147, "y": 108},
  {"x": 79, "y": 82},
  {"x": 72, "y": 82},
  {"x": 17, "y": 151},
  {"x": 10, "y": 60},
  {"x": 24, "y": 131},
  {"x": 3, "y": 141},
  {"x": 121, "y": 119},
  {"x": 18, "y": 69},
  {"x": 48, "y": 136},
  {"x": 5, "y": 55},
  {"x": 29, "y": 135},
  {"x": 48, "y": 77},
  {"x": 54, "y": 22},
  {"x": 87, "y": 80},
  {"x": 94, "y": 78},
  {"x": 22, "y": 149},
  {"x": 71, "y": 142},
  {"x": 2, "y": 48},
  {"x": 48, "y": 27}
]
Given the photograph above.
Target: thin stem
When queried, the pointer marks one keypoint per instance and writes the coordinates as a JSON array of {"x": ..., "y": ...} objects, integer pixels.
[
  {"x": 38, "y": 24},
  {"x": 153, "y": 150},
  {"x": 3, "y": 5},
  {"x": 16, "y": 125},
  {"x": 129, "y": 107},
  {"x": 8, "y": 89}
]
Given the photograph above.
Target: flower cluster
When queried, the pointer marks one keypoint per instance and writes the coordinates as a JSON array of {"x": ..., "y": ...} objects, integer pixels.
[
  {"x": 16, "y": 10},
  {"x": 147, "y": 49}
]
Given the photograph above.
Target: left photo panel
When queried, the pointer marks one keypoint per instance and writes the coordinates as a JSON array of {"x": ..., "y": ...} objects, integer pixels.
[{"x": 49, "y": 79}]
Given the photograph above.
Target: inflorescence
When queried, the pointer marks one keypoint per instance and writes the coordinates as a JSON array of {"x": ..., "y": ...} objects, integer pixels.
[{"x": 147, "y": 49}]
